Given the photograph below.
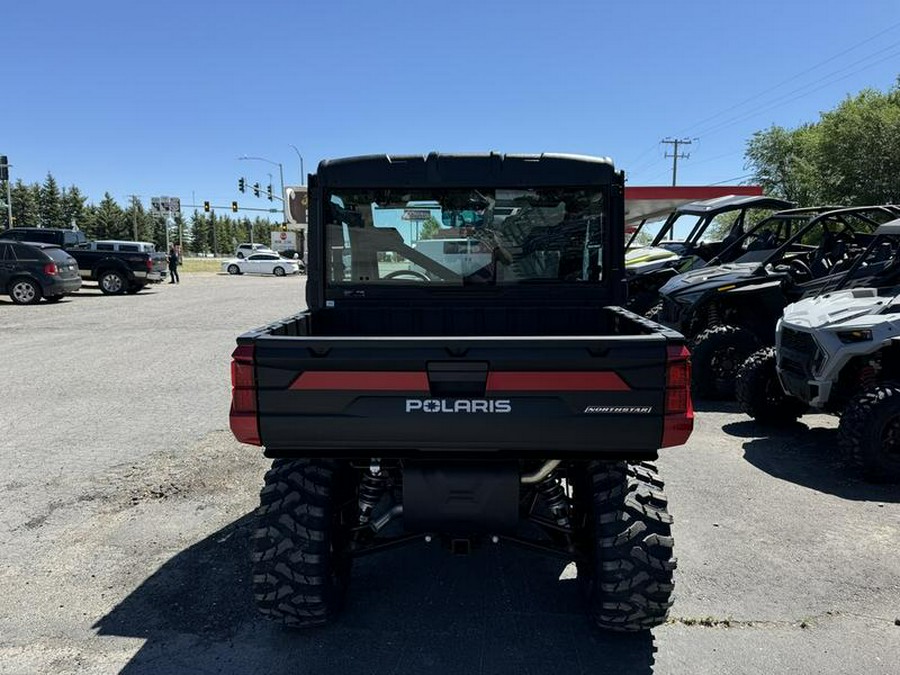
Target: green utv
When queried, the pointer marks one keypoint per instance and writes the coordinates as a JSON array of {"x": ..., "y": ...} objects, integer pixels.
[
  {"x": 502, "y": 400},
  {"x": 729, "y": 311}
]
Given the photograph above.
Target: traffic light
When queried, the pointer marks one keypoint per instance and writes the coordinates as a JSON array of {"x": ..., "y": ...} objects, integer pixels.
[
  {"x": 234, "y": 204},
  {"x": 284, "y": 227},
  {"x": 242, "y": 184},
  {"x": 206, "y": 206},
  {"x": 256, "y": 189},
  {"x": 269, "y": 193},
  {"x": 4, "y": 167}
]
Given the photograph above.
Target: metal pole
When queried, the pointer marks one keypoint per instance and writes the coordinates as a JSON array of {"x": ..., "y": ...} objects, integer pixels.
[
  {"x": 302, "y": 173},
  {"x": 283, "y": 201},
  {"x": 9, "y": 221},
  {"x": 212, "y": 221}
]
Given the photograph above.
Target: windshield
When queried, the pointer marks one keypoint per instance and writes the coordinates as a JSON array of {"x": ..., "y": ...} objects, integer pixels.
[
  {"x": 831, "y": 242},
  {"x": 878, "y": 267},
  {"x": 465, "y": 236}
]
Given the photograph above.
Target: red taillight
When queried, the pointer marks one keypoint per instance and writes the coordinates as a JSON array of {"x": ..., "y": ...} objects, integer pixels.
[
  {"x": 243, "y": 417},
  {"x": 149, "y": 265},
  {"x": 51, "y": 269},
  {"x": 679, "y": 417}
]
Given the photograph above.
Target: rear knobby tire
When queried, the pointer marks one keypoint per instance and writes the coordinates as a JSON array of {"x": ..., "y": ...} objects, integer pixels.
[
  {"x": 300, "y": 561},
  {"x": 716, "y": 355},
  {"x": 869, "y": 433},
  {"x": 759, "y": 393},
  {"x": 631, "y": 558}
]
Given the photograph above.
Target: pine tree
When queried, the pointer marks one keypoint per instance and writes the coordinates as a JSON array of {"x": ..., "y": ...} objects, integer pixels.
[
  {"x": 26, "y": 205},
  {"x": 51, "y": 203},
  {"x": 110, "y": 222},
  {"x": 73, "y": 209}
]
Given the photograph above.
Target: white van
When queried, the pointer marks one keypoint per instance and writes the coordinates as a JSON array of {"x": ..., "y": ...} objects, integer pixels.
[{"x": 463, "y": 256}]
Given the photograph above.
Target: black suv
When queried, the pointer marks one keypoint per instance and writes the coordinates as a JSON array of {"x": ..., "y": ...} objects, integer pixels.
[{"x": 30, "y": 271}]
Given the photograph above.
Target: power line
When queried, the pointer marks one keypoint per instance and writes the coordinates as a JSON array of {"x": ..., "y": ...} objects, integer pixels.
[
  {"x": 798, "y": 75},
  {"x": 788, "y": 99}
]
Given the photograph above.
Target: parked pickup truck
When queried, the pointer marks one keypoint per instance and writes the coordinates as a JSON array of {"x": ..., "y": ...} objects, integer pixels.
[
  {"x": 415, "y": 402},
  {"x": 114, "y": 268}
]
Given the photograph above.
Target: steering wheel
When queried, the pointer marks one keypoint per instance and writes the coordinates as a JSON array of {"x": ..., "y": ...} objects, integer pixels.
[
  {"x": 396, "y": 274},
  {"x": 799, "y": 268}
]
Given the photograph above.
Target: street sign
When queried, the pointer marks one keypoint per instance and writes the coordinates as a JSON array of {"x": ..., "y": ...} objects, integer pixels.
[
  {"x": 165, "y": 205},
  {"x": 295, "y": 205},
  {"x": 416, "y": 214}
]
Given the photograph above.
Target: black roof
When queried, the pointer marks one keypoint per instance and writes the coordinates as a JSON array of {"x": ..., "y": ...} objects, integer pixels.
[
  {"x": 36, "y": 244},
  {"x": 475, "y": 170},
  {"x": 892, "y": 228},
  {"x": 732, "y": 202}
]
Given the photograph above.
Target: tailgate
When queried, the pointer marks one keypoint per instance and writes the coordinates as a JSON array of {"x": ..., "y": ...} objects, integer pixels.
[{"x": 412, "y": 396}]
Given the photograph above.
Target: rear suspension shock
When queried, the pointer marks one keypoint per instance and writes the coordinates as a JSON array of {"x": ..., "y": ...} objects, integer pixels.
[
  {"x": 372, "y": 486},
  {"x": 551, "y": 490}
]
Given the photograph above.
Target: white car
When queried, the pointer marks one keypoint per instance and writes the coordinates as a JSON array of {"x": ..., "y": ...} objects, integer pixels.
[
  {"x": 262, "y": 263},
  {"x": 243, "y": 250}
]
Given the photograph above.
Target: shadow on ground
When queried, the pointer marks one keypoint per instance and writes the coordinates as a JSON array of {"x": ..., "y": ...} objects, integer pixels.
[
  {"x": 809, "y": 457},
  {"x": 705, "y": 406},
  {"x": 411, "y": 610}
]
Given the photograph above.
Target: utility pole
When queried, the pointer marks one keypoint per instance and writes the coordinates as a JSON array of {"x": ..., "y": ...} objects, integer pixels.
[
  {"x": 4, "y": 175},
  {"x": 675, "y": 154}
]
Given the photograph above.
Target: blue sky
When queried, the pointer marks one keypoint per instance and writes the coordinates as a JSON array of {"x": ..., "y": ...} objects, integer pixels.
[{"x": 161, "y": 98}]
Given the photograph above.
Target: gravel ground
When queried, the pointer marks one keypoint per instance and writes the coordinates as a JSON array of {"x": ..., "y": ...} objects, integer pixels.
[{"x": 124, "y": 528}]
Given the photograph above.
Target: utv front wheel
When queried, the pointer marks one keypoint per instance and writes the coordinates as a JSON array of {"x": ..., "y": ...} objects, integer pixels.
[
  {"x": 869, "y": 433},
  {"x": 759, "y": 392},
  {"x": 631, "y": 558},
  {"x": 716, "y": 355},
  {"x": 299, "y": 546}
]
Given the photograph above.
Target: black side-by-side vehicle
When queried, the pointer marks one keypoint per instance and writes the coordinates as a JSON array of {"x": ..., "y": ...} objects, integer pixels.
[
  {"x": 730, "y": 311},
  {"x": 512, "y": 401},
  {"x": 691, "y": 236}
]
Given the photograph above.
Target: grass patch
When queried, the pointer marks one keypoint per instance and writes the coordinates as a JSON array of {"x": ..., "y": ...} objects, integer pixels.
[{"x": 200, "y": 265}]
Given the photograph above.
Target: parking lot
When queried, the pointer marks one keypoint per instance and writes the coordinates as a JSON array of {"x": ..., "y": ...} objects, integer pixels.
[{"x": 127, "y": 504}]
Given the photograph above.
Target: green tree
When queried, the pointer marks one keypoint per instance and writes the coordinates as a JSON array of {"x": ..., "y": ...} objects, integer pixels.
[
  {"x": 783, "y": 162},
  {"x": 26, "y": 205},
  {"x": 858, "y": 152},
  {"x": 51, "y": 203},
  {"x": 109, "y": 221},
  {"x": 200, "y": 234},
  {"x": 73, "y": 207},
  {"x": 430, "y": 228},
  {"x": 850, "y": 156}
]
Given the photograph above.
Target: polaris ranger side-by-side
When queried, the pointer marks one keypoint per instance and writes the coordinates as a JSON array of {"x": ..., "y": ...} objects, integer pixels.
[
  {"x": 730, "y": 311},
  {"x": 507, "y": 402},
  {"x": 839, "y": 352}
]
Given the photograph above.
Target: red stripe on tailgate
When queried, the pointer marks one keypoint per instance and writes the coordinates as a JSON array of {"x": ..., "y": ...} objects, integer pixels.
[
  {"x": 351, "y": 380},
  {"x": 550, "y": 381}
]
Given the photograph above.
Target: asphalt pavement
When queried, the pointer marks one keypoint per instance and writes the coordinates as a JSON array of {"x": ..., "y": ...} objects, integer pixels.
[{"x": 127, "y": 503}]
